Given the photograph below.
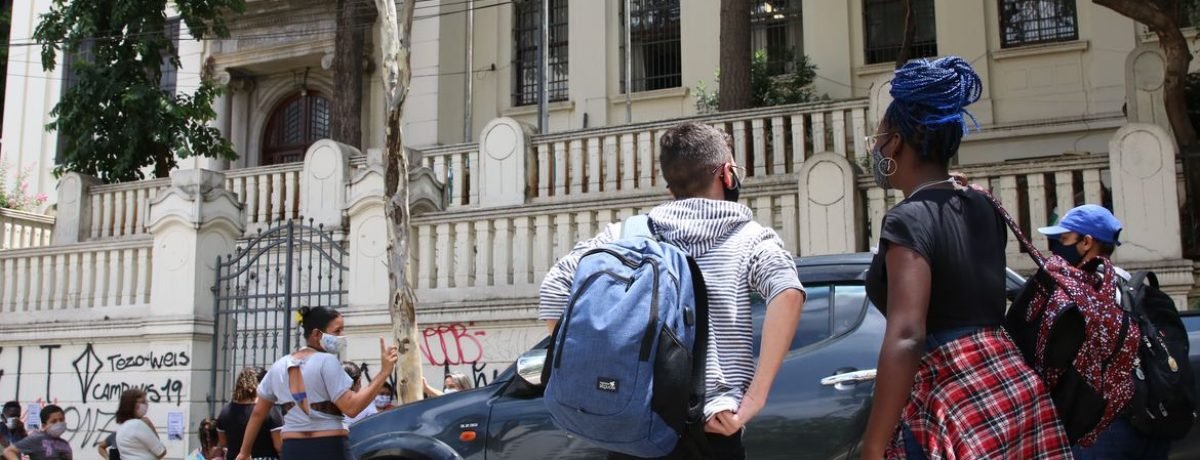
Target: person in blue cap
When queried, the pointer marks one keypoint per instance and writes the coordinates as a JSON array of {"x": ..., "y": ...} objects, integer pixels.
[{"x": 1084, "y": 233}]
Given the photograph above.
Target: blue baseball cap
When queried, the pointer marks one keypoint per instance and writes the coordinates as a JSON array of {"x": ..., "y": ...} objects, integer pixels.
[{"x": 1089, "y": 219}]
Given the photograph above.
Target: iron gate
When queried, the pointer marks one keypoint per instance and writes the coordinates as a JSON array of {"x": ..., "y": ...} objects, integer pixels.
[{"x": 258, "y": 288}]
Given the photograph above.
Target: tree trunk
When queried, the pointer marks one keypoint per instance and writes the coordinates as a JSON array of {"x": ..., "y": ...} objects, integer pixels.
[
  {"x": 910, "y": 35},
  {"x": 402, "y": 300},
  {"x": 353, "y": 17},
  {"x": 734, "y": 84},
  {"x": 1162, "y": 17},
  {"x": 1178, "y": 57}
]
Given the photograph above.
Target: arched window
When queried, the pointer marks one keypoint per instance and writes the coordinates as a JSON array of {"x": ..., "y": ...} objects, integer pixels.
[{"x": 295, "y": 124}]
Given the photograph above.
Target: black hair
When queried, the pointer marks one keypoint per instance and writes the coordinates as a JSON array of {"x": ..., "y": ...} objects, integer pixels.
[
  {"x": 929, "y": 100},
  {"x": 352, "y": 370},
  {"x": 12, "y": 405},
  {"x": 259, "y": 374},
  {"x": 1106, "y": 249},
  {"x": 48, "y": 411},
  {"x": 389, "y": 389},
  {"x": 316, "y": 318}
]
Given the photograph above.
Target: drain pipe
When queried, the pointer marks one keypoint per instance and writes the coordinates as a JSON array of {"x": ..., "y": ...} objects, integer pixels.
[{"x": 469, "y": 75}]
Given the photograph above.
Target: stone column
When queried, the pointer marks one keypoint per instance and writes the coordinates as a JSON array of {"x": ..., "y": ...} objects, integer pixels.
[
  {"x": 505, "y": 163},
  {"x": 323, "y": 183},
  {"x": 193, "y": 221},
  {"x": 829, "y": 213},
  {"x": 73, "y": 223},
  {"x": 368, "y": 235},
  {"x": 223, "y": 105},
  {"x": 828, "y": 45}
]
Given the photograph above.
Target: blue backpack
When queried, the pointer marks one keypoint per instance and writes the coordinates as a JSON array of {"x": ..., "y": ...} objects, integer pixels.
[{"x": 626, "y": 364}]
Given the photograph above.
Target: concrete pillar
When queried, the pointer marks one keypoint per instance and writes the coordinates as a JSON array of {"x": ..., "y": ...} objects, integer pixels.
[
  {"x": 829, "y": 213},
  {"x": 503, "y": 151},
  {"x": 368, "y": 271},
  {"x": 962, "y": 30},
  {"x": 193, "y": 221},
  {"x": 323, "y": 183},
  {"x": 73, "y": 223},
  {"x": 1145, "y": 198}
]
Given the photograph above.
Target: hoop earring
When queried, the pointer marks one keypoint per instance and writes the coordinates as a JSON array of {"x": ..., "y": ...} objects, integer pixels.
[{"x": 888, "y": 166}]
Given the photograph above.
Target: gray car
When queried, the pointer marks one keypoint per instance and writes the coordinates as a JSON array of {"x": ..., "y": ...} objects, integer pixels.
[{"x": 817, "y": 409}]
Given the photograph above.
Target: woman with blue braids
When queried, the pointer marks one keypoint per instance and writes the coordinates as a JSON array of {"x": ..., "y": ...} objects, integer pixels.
[{"x": 951, "y": 383}]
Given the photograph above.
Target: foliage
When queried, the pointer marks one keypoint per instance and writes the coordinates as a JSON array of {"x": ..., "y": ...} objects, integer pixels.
[
  {"x": 116, "y": 121},
  {"x": 18, "y": 198},
  {"x": 767, "y": 90}
]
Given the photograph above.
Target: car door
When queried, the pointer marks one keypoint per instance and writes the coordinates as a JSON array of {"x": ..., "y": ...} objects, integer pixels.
[
  {"x": 520, "y": 428},
  {"x": 803, "y": 419}
]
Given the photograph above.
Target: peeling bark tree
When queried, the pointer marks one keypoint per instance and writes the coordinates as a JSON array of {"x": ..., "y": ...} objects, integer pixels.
[
  {"x": 735, "y": 56},
  {"x": 396, "y": 40},
  {"x": 1165, "y": 19}
]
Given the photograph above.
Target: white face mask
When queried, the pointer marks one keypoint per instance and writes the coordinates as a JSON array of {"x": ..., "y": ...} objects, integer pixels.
[
  {"x": 382, "y": 401},
  {"x": 142, "y": 409},
  {"x": 56, "y": 429},
  {"x": 332, "y": 344},
  {"x": 447, "y": 391}
]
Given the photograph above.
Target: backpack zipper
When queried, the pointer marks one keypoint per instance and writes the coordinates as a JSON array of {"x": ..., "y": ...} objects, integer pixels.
[{"x": 571, "y": 306}]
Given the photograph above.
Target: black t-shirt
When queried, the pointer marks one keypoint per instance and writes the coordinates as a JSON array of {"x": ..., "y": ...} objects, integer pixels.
[
  {"x": 233, "y": 420},
  {"x": 961, "y": 236}
]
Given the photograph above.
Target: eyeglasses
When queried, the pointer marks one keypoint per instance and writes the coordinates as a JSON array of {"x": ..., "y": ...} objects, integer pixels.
[
  {"x": 869, "y": 141},
  {"x": 738, "y": 171}
]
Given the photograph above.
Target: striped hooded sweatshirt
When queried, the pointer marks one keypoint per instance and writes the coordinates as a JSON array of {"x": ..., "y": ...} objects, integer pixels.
[{"x": 737, "y": 257}]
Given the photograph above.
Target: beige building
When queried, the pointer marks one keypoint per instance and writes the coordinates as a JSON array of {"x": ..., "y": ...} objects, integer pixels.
[{"x": 171, "y": 284}]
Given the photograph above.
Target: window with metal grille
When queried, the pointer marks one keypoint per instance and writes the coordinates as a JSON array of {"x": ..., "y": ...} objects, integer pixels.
[
  {"x": 1029, "y": 22},
  {"x": 170, "y": 75},
  {"x": 655, "y": 61},
  {"x": 777, "y": 29},
  {"x": 295, "y": 125},
  {"x": 883, "y": 25},
  {"x": 527, "y": 30}
]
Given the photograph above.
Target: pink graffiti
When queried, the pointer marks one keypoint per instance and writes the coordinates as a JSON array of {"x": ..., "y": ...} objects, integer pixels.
[{"x": 451, "y": 344}]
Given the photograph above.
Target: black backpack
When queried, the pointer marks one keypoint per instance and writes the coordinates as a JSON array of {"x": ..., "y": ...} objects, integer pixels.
[{"x": 1164, "y": 399}]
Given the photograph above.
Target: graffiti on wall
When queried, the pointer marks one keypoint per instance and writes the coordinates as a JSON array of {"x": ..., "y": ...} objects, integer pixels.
[{"x": 87, "y": 382}]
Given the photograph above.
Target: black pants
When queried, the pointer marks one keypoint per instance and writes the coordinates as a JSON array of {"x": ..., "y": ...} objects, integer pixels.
[
  {"x": 720, "y": 448},
  {"x": 330, "y": 448}
]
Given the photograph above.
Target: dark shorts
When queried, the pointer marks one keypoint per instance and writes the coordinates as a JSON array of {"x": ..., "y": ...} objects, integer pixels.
[
  {"x": 720, "y": 447},
  {"x": 331, "y": 448}
]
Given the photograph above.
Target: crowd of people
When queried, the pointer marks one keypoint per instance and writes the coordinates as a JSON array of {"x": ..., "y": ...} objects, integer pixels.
[{"x": 951, "y": 382}]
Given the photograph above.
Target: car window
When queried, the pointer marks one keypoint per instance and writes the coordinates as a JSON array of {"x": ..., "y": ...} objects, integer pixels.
[
  {"x": 849, "y": 301},
  {"x": 814, "y": 321}
]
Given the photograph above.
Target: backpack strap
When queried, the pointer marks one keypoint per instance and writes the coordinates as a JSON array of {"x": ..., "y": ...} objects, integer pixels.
[
  {"x": 698, "y": 398},
  {"x": 1034, "y": 253},
  {"x": 638, "y": 226}
]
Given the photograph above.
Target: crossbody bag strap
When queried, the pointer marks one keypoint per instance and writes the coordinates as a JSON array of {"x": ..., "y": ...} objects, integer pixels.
[{"x": 1034, "y": 253}]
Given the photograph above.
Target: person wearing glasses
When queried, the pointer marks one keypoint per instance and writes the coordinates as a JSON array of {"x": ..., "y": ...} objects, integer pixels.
[{"x": 950, "y": 382}]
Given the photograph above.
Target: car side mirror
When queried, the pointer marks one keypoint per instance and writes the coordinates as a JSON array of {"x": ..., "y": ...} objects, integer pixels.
[{"x": 529, "y": 366}]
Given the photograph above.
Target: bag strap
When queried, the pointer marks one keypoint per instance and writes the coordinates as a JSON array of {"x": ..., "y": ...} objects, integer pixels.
[
  {"x": 697, "y": 399},
  {"x": 1034, "y": 253}
]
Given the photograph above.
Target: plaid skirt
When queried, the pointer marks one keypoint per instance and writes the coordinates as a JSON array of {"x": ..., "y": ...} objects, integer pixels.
[{"x": 975, "y": 398}]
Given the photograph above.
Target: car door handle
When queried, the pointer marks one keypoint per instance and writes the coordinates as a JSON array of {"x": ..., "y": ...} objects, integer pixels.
[{"x": 849, "y": 378}]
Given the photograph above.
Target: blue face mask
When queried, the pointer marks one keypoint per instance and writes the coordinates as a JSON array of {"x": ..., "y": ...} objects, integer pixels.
[{"x": 879, "y": 168}]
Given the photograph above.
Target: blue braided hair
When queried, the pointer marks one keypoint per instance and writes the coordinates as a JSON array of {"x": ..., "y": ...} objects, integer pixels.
[{"x": 929, "y": 100}]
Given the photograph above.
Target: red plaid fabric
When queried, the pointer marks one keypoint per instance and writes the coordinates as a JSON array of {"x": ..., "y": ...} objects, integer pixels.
[{"x": 975, "y": 398}]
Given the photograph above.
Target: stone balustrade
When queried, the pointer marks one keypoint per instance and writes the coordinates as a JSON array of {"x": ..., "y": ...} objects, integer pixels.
[
  {"x": 20, "y": 229},
  {"x": 74, "y": 277}
]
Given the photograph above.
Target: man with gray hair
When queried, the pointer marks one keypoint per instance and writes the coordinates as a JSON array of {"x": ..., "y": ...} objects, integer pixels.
[{"x": 738, "y": 258}]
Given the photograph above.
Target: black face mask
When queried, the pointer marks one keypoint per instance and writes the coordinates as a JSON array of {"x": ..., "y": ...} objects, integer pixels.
[
  {"x": 732, "y": 193},
  {"x": 1068, "y": 253}
]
